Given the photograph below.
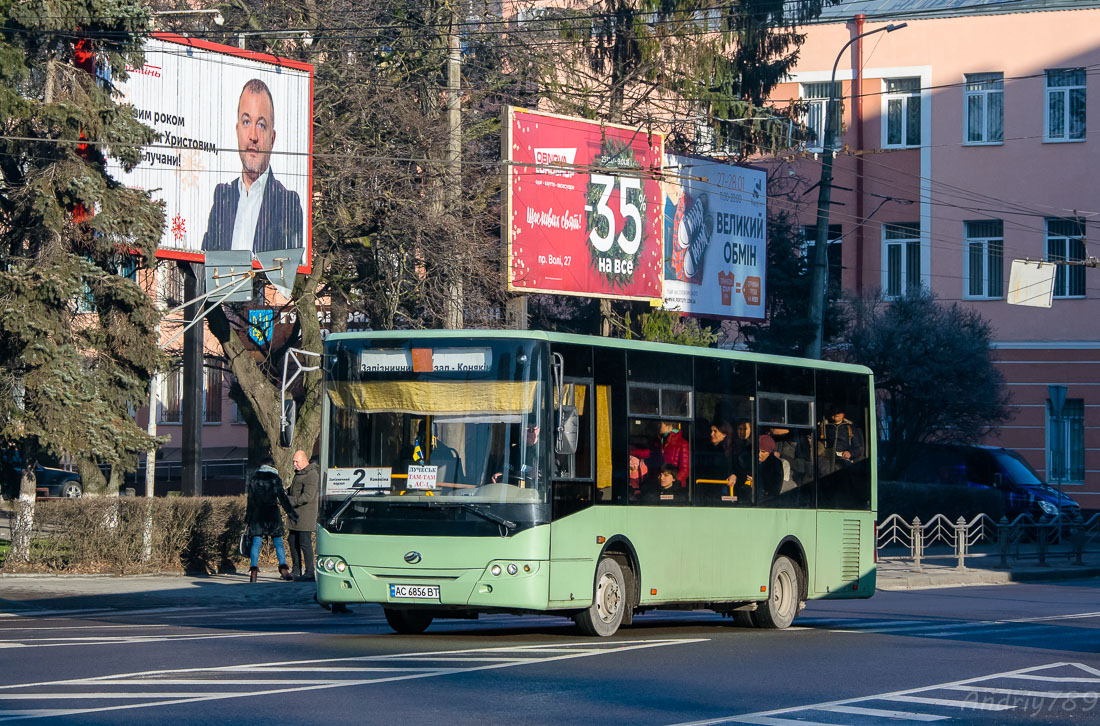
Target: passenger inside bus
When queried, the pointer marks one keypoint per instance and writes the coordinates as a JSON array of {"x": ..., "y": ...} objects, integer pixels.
[
  {"x": 719, "y": 478},
  {"x": 769, "y": 470},
  {"x": 666, "y": 490},
  {"x": 675, "y": 450}
]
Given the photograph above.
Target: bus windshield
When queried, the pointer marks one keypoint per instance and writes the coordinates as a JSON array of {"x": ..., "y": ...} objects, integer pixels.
[{"x": 436, "y": 436}]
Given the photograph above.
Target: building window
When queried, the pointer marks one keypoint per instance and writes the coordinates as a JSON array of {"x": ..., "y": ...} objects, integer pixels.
[
  {"x": 1066, "y": 443},
  {"x": 212, "y": 400},
  {"x": 1065, "y": 107},
  {"x": 985, "y": 108},
  {"x": 171, "y": 397},
  {"x": 983, "y": 259},
  {"x": 816, "y": 98},
  {"x": 171, "y": 278},
  {"x": 1066, "y": 242},
  {"x": 901, "y": 250},
  {"x": 833, "y": 252},
  {"x": 902, "y": 103}
]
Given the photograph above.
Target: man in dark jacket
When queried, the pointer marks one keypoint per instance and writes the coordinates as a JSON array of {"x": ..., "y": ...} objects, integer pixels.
[
  {"x": 841, "y": 441},
  {"x": 303, "y": 494},
  {"x": 254, "y": 211}
]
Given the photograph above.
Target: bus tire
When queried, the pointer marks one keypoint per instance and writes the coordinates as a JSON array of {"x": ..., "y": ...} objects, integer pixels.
[
  {"x": 407, "y": 622},
  {"x": 778, "y": 611},
  {"x": 603, "y": 617}
]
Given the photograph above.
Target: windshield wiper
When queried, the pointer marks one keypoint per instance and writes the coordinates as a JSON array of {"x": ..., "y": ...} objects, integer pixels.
[
  {"x": 472, "y": 508},
  {"x": 347, "y": 502}
]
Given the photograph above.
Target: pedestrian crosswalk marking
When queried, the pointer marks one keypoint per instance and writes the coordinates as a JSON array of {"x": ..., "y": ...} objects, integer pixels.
[
  {"x": 981, "y": 697},
  {"x": 880, "y": 713},
  {"x": 225, "y": 682}
]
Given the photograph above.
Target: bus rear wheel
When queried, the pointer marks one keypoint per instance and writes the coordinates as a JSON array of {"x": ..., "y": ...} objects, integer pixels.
[
  {"x": 604, "y": 616},
  {"x": 407, "y": 622},
  {"x": 778, "y": 611}
]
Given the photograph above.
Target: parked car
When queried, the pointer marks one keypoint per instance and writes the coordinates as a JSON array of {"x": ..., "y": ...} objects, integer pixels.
[
  {"x": 49, "y": 481},
  {"x": 1022, "y": 490}
]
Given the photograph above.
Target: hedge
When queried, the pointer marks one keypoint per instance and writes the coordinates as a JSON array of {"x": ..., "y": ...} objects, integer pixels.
[{"x": 106, "y": 535}]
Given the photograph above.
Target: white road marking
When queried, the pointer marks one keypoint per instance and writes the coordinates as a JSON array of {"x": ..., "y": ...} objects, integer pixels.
[
  {"x": 880, "y": 713},
  {"x": 38, "y": 642},
  {"x": 953, "y": 703},
  {"x": 798, "y": 714},
  {"x": 226, "y": 680},
  {"x": 930, "y": 628}
]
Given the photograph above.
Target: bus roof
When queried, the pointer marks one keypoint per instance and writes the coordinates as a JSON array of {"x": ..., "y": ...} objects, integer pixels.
[{"x": 600, "y": 342}]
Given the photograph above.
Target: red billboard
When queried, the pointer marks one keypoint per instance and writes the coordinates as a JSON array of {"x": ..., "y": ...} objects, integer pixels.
[{"x": 583, "y": 213}]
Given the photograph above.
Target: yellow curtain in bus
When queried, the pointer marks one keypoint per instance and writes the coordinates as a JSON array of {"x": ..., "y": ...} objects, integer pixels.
[
  {"x": 440, "y": 398},
  {"x": 603, "y": 437}
]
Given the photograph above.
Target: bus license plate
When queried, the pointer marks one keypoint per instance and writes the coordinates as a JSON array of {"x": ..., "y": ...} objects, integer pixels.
[{"x": 414, "y": 592}]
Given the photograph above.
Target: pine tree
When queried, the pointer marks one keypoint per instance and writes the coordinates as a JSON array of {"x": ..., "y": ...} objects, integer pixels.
[{"x": 67, "y": 378}]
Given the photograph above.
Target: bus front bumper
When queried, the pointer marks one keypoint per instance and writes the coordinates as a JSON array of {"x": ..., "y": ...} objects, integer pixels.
[{"x": 492, "y": 587}]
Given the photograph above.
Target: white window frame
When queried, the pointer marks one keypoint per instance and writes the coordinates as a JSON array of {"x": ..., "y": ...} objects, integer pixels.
[
  {"x": 904, "y": 98},
  {"x": 821, "y": 105},
  {"x": 1071, "y": 447},
  {"x": 911, "y": 279},
  {"x": 985, "y": 87},
  {"x": 1065, "y": 275},
  {"x": 986, "y": 242},
  {"x": 1066, "y": 92}
]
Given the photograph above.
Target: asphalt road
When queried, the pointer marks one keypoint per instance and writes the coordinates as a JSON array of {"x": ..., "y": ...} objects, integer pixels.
[{"x": 1014, "y": 654}]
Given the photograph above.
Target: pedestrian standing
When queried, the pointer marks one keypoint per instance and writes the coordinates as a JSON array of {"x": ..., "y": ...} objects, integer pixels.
[
  {"x": 263, "y": 518},
  {"x": 303, "y": 495}
]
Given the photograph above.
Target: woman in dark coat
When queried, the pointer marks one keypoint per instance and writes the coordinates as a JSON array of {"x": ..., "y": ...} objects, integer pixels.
[{"x": 263, "y": 519}]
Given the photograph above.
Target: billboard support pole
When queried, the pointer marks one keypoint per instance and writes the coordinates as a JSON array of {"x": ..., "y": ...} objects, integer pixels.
[{"x": 193, "y": 396}]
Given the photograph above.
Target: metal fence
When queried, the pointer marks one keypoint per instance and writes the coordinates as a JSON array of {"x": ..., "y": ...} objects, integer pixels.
[{"x": 1022, "y": 538}]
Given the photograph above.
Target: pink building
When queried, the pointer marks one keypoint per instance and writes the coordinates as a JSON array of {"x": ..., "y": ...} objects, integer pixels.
[{"x": 968, "y": 142}]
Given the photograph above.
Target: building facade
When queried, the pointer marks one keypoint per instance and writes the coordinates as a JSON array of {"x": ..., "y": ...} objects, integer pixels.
[{"x": 967, "y": 141}]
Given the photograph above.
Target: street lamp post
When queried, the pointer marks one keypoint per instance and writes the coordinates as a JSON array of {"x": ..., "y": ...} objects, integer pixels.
[{"x": 824, "y": 198}]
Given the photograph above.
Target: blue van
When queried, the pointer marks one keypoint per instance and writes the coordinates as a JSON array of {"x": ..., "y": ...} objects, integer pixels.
[{"x": 1021, "y": 489}]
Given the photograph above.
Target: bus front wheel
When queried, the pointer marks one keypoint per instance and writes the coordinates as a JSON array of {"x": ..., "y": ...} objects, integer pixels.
[
  {"x": 609, "y": 603},
  {"x": 778, "y": 611},
  {"x": 407, "y": 622}
]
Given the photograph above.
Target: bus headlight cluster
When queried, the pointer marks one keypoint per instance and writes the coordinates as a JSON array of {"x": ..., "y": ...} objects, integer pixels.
[
  {"x": 512, "y": 568},
  {"x": 332, "y": 564}
]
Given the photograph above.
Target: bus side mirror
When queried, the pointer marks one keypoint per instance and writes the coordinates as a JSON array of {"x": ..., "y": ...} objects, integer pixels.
[
  {"x": 286, "y": 424},
  {"x": 569, "y": 425}
]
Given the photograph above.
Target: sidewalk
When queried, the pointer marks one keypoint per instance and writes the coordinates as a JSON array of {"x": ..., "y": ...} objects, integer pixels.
[
  {"x": 29, "y": 593},
  {"x": 982, "y": 568}
]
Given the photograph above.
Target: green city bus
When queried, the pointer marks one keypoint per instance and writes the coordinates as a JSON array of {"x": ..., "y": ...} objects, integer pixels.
[{"x": 469, "y": 472}]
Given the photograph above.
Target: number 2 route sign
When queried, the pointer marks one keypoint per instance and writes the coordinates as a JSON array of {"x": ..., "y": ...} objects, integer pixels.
[{"x": 584, "y": 213}]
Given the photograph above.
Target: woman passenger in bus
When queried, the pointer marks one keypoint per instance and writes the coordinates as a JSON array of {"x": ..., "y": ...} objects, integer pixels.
[{"x": 717, "y": 473}]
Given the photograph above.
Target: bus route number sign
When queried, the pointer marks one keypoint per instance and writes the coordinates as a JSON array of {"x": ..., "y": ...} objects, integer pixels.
[{"x": 345, "y": 481}]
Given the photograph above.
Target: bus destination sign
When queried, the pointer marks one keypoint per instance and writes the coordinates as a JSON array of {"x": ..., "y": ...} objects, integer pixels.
[{"x": 427, "y": 360}]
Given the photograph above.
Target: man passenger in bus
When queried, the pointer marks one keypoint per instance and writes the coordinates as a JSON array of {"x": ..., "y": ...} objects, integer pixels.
[
  {"x": 769, "y": 470},
  {"x": 667, "y": 490},
  {"x": 675, "y": 450},
  {"x": 841, "y": 440}
]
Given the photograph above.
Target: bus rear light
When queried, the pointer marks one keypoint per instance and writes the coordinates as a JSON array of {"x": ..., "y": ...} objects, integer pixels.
[{"x": 653, "y": 591}]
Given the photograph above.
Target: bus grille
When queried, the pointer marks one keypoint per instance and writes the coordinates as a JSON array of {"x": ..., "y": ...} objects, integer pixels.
[{"x": 849, "y": 551}]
